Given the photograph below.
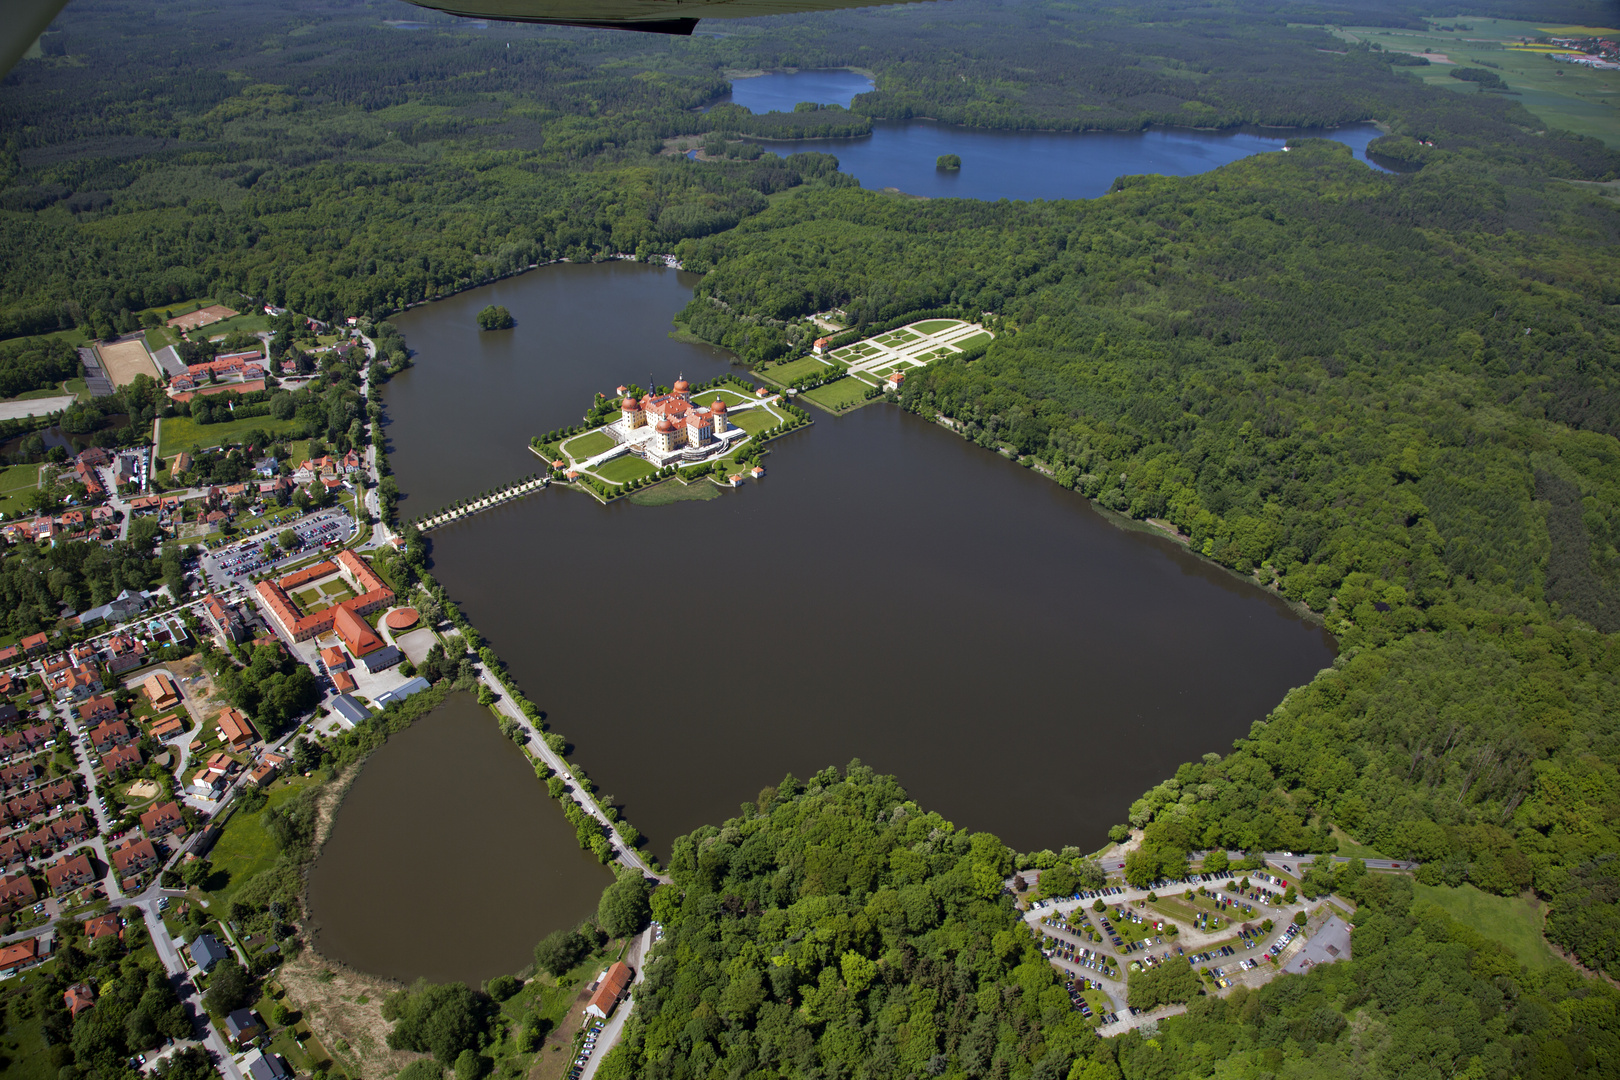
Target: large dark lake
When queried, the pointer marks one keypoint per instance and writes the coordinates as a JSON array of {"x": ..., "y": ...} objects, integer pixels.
[
  {"x": 888, "y": 592},
  {"x": 1011, "y": 164}
]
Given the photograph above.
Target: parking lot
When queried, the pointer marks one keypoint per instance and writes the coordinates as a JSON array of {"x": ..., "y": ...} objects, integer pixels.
[{"x": 329, "y": 528}]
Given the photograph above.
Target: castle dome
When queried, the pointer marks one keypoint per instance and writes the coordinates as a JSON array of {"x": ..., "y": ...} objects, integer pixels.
[
  {"x": 630, "y": 404},
  {"x": 664, "y": 426},
  {"x": 718, "y": 406},
  {"x": 682, "y": 386}
]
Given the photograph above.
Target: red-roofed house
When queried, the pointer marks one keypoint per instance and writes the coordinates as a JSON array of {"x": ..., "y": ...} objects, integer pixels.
[
  {"x": 162, "y": 820},
  {"x": 120, "y": 760},
  {"x": 101, "y": 926},
  {"x": 162, "y": 692},
  {"x": 78, "y": 998},
  {"x": 110, "y": 734},
  {"x": 236, "y": 731},
  {"x": 97, "y": 708},
  {"x": 614, "y": 984},
  {"x": 17, "y": 890},
  {"x": 13, "y": 958},
  {"x": 134, "y": 857},
  {"x": 69, "y": 872}
]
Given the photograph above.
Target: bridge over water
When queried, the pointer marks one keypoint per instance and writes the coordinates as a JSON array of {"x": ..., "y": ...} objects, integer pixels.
[{"x": 469, "y": 507}]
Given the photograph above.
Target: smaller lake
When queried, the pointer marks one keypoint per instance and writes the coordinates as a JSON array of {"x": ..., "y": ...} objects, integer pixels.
[
  {"x": 1022, "y": 165},
  {"x": 779, "y": 91},
  {"x": 448, "y": 861}
]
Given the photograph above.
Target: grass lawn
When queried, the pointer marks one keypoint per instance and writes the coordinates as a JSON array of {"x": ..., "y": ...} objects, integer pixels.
[
  {"x": 245, "y": 848},
  {"x": 181, "y": 433},
  {"x": 869, "y": 380},
  {"x": 1512, "y": 920},
  {"x": 970, "y": 342},
  {"x": 623, "y": 469},
  {"x": 587, "y": 445},
  {"x": 836, "y": 396},
  {"x": 933, "y": 326},
  {"x": 161, "y": 337},
  {"x": 15, "y": 482},
  {"x": 25, "y": 1039},
  {"x": 755, "y": 421},
  {"x": 730, "y": 397},
  {"x": 246, "y": 324},
  {"x": 786, "y": 373}
]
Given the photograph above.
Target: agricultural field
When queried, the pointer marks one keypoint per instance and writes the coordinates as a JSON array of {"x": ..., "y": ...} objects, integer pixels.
[{"x": 1562, "y": 95}]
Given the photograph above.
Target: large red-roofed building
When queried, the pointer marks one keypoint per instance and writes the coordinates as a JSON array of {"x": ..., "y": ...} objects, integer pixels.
[{"x": 374, "y": 595}]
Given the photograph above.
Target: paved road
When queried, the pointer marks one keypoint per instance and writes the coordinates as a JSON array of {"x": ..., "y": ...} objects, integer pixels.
[
  {"x": 625, "y": 855},
  {"x": 190, "y": 1000},
  {"x": 1287, "y": 861}
]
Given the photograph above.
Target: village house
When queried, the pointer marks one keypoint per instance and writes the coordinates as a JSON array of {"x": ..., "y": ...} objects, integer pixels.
[
  {"x": 100, "y": 926},
  {"x": 611, "y": 989},
  {"x": 78, "y": 998},
  {"x": 162, "y": 820},
  {"x": 42, "y": 799},
  {"x": 69, "y": 873},
  {"x": 243, "y": 1026},
  {"x": 123, "y": 653},
  {"x": 74, "y": 683},
  {"x": 206, "y": 951},
  {"x": 225, "y": 620},
  {"x": 235, "y": 730},
  {"x": 19, "y": 776},
  {"x": 34, "y": 644},
  {"x": 168, "y": 728},
  {"x": 24, "y": 954},
  {"x": 266, "y": 770},
  {"x": 161, "y": 691}
]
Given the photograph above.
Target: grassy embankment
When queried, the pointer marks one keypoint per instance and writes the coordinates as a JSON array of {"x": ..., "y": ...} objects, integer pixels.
[{"x": 1515, "y": 921}]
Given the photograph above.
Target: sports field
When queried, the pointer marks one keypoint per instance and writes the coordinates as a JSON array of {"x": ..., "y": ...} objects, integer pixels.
[
  {"x": 126, "y": 360},
  {"x": 213, "y": 313}
]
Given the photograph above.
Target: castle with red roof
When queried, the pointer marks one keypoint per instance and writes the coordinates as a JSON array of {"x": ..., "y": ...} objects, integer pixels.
[{"x": 664, "y": 427}]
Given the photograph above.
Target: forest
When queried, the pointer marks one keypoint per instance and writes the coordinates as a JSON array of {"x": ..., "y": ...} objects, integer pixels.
[{"x": 834, "y": 928}]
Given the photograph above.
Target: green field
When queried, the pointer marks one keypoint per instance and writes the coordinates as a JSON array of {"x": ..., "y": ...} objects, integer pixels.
[
  {"x": 623, "y": 469},
  {"x": 161, "y": 337},
  {"x": 1513, "y": 921},
  {"x": 755, "y": 421},
  {"x": 840, "y": 395},
  {"x": 245, "y": 848},
  {"x": 730, "y": 397},
  {"x": 1576, "y": 99},
  {"x": 243, "y": 324},
  {"x": 16, "y": 481},
  {"x": 181, "y": 433},
  {"x": 587, "y": 445},
  {"x": 933, "y": 326},
  {"x": 976, "y": 339},
  {"x": 786, "y": 373}
]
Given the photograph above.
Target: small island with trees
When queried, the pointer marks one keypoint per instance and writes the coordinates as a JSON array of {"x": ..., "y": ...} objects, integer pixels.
[
  {"x": 495, "y": 317},
  {"x": 948, "y": 163}
]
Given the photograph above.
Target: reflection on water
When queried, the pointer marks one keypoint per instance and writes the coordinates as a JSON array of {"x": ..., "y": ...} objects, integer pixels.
[
  {"x": 889, "y": 591},
  {"x": 779, "y": 91}
]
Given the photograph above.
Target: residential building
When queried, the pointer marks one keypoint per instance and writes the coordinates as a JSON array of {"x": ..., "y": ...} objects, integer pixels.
[
  {"x": 24, "y": 954},
  {"x": 162, "y": 692},
  {"x": 236, "y": 731},
  {"x": 74, "y": 683},
  {"x": 343, "y": 682},
  {"x": 16, "y": 890},
  {"x": 121, "y": 760},
  {"x": 34, "y": 644},
  {"x": 100, "y": 926},
  {"x": 78, "y": 998},
  {"x": 97, "y": 709},
  {"x": 170, "y": 727},
  {"x": 266, "y": 770},
  {"x": 335, "y": 658},
  {"x": 162, "y": 819},
  {"x": 206, "y": 951},
  {"x": 267, "y": 1067},
  {"x": 30, "y": 740},
  {"x": 612, "y": 988},
  {"x": 243, "y": 1025},
  {"x": 124, "y": 653},
  {"x": 69, "y": 872},
  {"x": 133, "y": 858},
  {"x": 109, "y": 734}
]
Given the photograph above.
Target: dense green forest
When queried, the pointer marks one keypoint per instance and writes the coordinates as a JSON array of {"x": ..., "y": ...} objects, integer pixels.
[
  {"x": 835, "y": 929},
  {"x": 1391, "y": 398}
]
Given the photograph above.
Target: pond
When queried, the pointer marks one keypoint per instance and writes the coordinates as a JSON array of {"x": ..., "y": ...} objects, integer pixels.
[
  {"x": 1012, "y": 164},
  {"x": 891, "y": 592},
  {"x": 447, "y": 859}
]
